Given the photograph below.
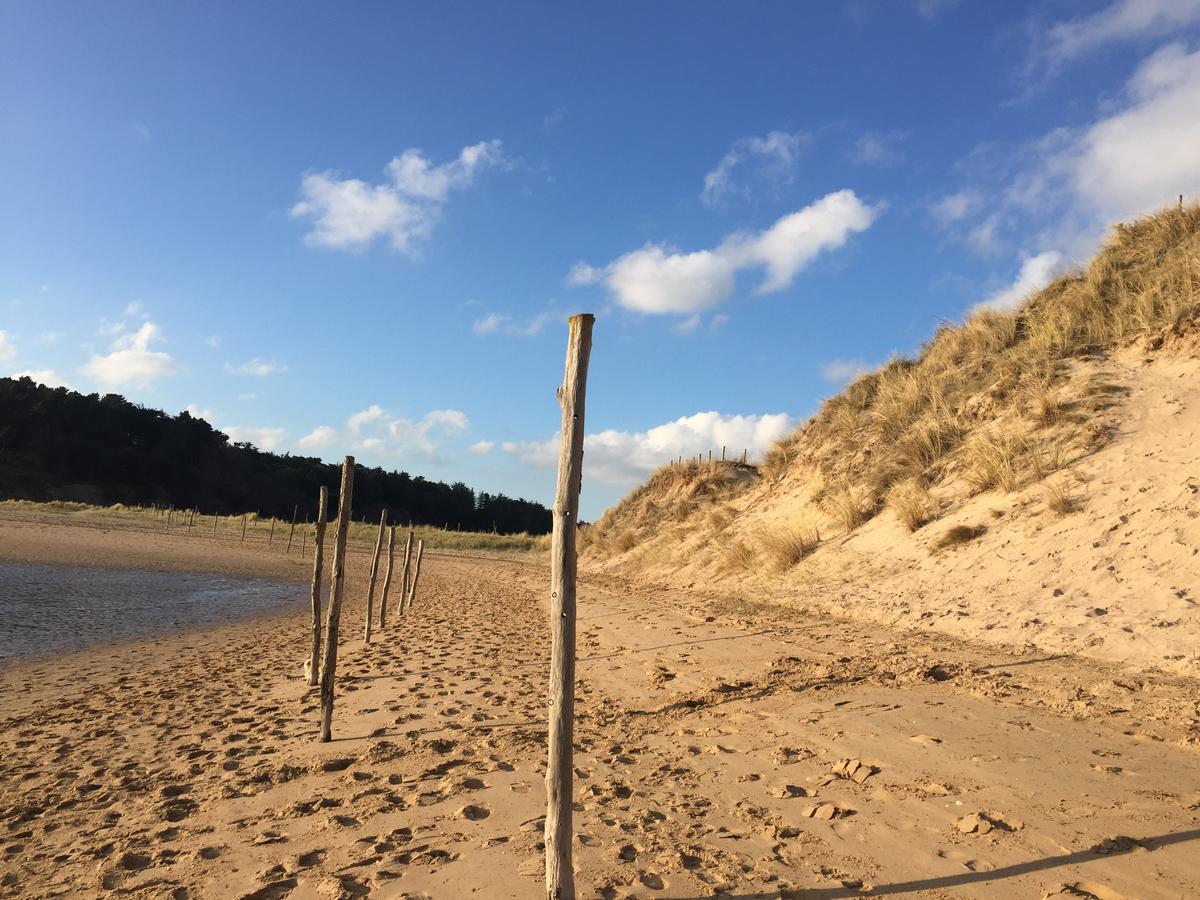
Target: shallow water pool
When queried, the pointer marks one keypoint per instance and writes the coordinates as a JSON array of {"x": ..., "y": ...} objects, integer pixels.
[{"x": 52, "y": 609}]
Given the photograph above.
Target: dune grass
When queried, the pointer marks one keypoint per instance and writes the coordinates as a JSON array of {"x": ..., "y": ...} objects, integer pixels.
[{"x": 987, "y": 405}]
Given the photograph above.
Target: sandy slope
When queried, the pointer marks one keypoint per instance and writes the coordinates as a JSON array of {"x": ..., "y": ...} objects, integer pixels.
[
  {"x": 1116, "y": 579},
  {"x": 708, "y": 732}
]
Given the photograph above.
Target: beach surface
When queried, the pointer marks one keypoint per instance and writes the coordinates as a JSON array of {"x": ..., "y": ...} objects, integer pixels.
[{"x": 721, "y": 746}]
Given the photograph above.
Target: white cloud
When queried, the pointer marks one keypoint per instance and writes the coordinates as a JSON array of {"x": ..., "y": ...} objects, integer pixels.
[
  {"x": 660, "y": 279},
  {"x": 1142, "y": 156},
  {"x": 499, "y": 323},
  {"x": 372, "y": 413},
  {"x": 213, "y": 340},
  {"x": 775, "y": 155},
  {"x": 196, "y": 413},
  {"x": 321, "y": 436},
  {"x": 349, "y": 214},
  {"x": 1122, "y": 20},
  {"x": 47, "y": 377},
  {"x": 131, "y": 360},
  {"x": 377, "y": 431},
  {"x": 257, "y": 367},
  {"x": 951, "y": 208},
  {"x": 264, "y": 438},
  {"x": 248, "y": 396},
  {"x": 1036, "y": 272},
  {"x": 46, "y": 338},
  {"x": 133, "y": 309},
  {"x": 7, "y": 350},
  {"x": 482, "y": 447},
  {"x": 622, "y": 457},
  {"x": 840, "y": 371},
  {"x": 874, "y": 148}
]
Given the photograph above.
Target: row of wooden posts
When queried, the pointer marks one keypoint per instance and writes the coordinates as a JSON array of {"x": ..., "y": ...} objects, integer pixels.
[
  {"x": 700, "y": 457},
  {"x": 322, "y": 667},
  {"x": 189, "y": 517}
]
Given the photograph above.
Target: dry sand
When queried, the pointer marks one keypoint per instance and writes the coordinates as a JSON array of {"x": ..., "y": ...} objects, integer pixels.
[{"x": 721, "y": 747}]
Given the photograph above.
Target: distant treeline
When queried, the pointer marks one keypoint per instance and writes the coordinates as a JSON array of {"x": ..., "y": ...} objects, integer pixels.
[{"x": 57, "y": 444}]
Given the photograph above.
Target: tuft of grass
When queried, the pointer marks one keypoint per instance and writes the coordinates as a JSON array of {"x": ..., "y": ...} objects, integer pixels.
[
  {"x": 739, "y": 556},
  {"x": 913, "y": 505},
  {"x": 1059, "y": 497},
  {"x": 787, "y": 545},
  {"x": 997, "y": 459},
  {"x": 959, "y": 534},
  {"x": 849, "y": 506}
]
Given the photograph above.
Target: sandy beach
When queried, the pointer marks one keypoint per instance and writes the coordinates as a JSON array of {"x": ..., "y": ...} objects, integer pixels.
[{"x": 722, "y": 750}]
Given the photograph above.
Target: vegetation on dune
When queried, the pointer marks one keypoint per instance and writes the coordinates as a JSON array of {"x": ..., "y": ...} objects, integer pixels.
[
  {"x": 996, "y": 403},
  {"x": 57, "y": 444},
  {"x": 259, "y": 528}
]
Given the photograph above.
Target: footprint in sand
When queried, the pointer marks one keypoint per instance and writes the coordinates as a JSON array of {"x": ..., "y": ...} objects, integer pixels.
[{"x": 474, "y": 812}]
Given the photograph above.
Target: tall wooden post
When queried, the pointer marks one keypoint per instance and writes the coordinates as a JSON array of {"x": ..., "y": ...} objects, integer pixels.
[
  {"x": 314, "y": 659},
  {"x": 387, "y": 578},
  {"x": 304, "y": 539},
  {"x": 292, "y": 530},
  {"x": 412, "y": 588},
  {"x": 404, "y": 571},
  {"x": 216, "y": 519},
  {"x": 374, "y": 575},
  {"x": 333, "y": 619},
  {"x": 271, "y": 536},
  {"x": 243, "y": 540},
  {"x": 560, "y": 877}
]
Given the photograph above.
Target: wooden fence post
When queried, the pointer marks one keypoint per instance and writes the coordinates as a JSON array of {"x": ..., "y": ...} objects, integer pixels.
[
  {"x": 412, "y": 588},
  {"x": 560, "y": 876},
  {"x": 373, "y": 576},
  {"x": 404, "y": 571},
  {"x": 332, "y": 619},
  {"x": 304, "y": 539},
  {"x": 314, "y": 659},
  {"x": 271, "y": 536},
  {"x": 387, "y": 577},
  {"x": 243, "y": 540},
  {"x": 292, "y": 530}
]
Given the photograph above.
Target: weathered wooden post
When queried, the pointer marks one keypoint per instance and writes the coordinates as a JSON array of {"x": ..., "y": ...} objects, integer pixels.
[
  {"x": 412, "y": 588},
  {"x": 216, "y": 519},
  {"x": 387, "y": 577},
  {"x": 332, "y": 620},
  {"x": 314, "y": 658},
  {"x": 292, "y": 530},
  {"x": 404, "y": 571},
  {"x": 271, "y": 536},
  {"x": 304, "y": 539},
  {"x": 243, "y": 540},
  {"x": 373, "y": 576},
  {"x": 560, "y": 877}
]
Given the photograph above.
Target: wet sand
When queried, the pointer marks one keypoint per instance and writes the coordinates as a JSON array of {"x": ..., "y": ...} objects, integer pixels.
[{"x": 720, "y": 747}]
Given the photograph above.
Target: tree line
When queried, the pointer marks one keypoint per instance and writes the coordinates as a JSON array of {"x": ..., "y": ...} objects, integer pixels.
[{"x": 58, "y": 444}]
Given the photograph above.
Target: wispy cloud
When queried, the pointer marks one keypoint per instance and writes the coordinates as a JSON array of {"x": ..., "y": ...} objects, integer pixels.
[
  {"x": 262, "y": 437},
  {"x": 260, "y": 368},
  {"x": 320, "y": 437},
  {"x": 348, "y": 214},
  {"x": 1065, "y": 41},
  {"x": 500, "y": 323},
  {"x": 131, "y": 360},
  {"x": 771, "y": 158},
  {"x": 874, "y": 148},
  {"x": 482, "y": 447},
  {"x": 7, "y": 349},
  {"x": 661, "y": 279},
  {"x": 841, "y": 371},
  {"x": 1036, "y": 272},
  {"x": 624, "y": 457}
]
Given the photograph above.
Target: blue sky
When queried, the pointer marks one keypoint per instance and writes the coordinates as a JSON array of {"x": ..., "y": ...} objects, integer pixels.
[{"x": 359, "y": 228}]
